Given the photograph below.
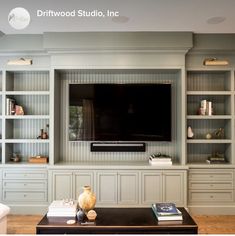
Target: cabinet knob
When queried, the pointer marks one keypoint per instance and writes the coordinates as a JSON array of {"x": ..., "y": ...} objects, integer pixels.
[
  {"x": 25, "y": 195},
  {"x": 211, "y": 196}
]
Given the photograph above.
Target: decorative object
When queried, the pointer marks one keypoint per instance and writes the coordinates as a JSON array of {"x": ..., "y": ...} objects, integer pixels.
[
  {"x": 190, "y": 133},
  {"x": 215, "y": 62},
  {"x": 15, "y": 157},
  {"x": 38, "y": 159},
  {"x": 43, "y": 135},
  {"x": 205, "y": 108},
  {"x": 208, "y": 136},
  {"x": 19, "y": 110},
  {"x": 91, "y": 215},
  {"x": 216, "y": 158},
  {"x": 87, "y": 199},
  {"x": 219, "y": 133},
  {"x": 81, "y": 216}
]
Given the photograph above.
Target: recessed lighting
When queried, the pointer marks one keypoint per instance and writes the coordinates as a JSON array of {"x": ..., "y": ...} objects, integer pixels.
[
  {"x": 216, "y": 20},
  {"x": 120, "y": 19}
]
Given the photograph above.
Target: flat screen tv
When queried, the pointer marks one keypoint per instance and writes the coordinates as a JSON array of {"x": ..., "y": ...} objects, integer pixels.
[{"x": 120, "y": 112}]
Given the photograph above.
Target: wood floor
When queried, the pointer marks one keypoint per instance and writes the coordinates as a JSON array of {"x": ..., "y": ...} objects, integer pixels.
[{"x": 26, "y": 224}]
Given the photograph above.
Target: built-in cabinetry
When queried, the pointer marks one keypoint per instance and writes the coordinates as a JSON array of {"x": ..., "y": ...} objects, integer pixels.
[
  {"x": 117, "y": 187},
  {"x": 214, "y": 86},
  {"x": 168, "y": 187},
  {"x": 212, "y": 188},
  {"x": 24, "y": 188},
  {"x": 67, "y": 184},
  {"x": 122, "y": 187},
  {"x": 20, "y": 133}
]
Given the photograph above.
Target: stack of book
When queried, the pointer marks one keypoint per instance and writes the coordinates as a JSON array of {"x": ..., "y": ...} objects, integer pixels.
[
  {"x": 10, "y": 106},
  {"x": 160, "y": 160},
  {"x": 166, "y": 212},
  {"x": 63, "y": 208},
  {"x": 216, "y": 159}
]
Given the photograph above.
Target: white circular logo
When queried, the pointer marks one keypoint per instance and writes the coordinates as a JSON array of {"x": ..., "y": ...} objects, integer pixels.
[{"x": 19, "y": 18}]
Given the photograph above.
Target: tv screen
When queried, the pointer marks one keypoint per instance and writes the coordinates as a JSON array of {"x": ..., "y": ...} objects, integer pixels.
[{"x": 120, "y": 112}]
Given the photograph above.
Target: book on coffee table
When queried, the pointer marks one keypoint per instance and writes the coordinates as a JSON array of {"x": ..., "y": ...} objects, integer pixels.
[{"x": 166, "y": 211}]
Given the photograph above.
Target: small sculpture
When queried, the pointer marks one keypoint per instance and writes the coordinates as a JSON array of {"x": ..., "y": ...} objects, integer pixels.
[
  {"x": 208, "y": 136},
  {"x": 219, "y": 133},
  {"x": 190, "y": 133}
]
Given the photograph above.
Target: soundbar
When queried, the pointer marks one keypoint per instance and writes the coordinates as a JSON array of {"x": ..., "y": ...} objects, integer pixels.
[{"x": 117, "y": 147}]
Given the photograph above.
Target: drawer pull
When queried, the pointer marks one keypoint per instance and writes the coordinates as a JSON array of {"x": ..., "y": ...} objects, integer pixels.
[
  {"x": 25, "y": 184},
  {"x": 211, "y": 176},
  {"x": 212, "y": 185},
  {"x": 211, "y": 196},
  {"x": 25, "y": 195}
]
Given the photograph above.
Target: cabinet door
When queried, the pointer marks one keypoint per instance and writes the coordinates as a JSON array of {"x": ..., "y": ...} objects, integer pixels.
[
  {"x": 81, "y": 179},
  {"x": 151, "y": 187},
  {"x": 173, "y": 187},
  {"x": 62, "y": 185},
  {"x": 128, "y": 188},
  {"x": 106, "y": 188}
]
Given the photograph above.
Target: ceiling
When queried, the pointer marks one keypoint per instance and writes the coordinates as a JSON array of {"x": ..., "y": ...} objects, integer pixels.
[{"x": 198, "y": 16}]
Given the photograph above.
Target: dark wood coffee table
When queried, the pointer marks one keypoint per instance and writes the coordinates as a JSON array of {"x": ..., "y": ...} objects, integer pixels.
[{"x": 119, "y": 221}]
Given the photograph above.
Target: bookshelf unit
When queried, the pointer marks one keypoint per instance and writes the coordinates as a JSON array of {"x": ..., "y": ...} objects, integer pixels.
[
  {"x": 29, "y": 89},
  {"x": 214, "y": 86}
]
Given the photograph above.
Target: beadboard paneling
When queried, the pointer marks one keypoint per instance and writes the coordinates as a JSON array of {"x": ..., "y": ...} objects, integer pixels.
[
  {"x": 209, "y": 81},
  {"x": 80, "y": 151},
  {"x": 27, "y": 81},
  {"x": 33, "y": 104},
  {"x": 26, "y": 128},
  {"x": 26, "y": 150}
]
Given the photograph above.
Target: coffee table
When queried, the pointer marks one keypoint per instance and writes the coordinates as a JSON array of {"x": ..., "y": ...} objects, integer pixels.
[{"x": 119, "y": 221}]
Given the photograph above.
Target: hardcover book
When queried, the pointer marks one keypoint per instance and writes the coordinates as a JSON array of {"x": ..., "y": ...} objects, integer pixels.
[
  {"x": 166, "y": 211},
  {"x": 165, "y": 208}
]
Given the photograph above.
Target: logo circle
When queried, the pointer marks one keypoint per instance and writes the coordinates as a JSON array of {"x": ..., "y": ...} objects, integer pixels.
[{"x": 19, "y": 18}]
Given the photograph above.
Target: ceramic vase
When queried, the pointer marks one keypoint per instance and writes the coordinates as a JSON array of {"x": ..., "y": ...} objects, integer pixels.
[{"x": 87, "y": 199}]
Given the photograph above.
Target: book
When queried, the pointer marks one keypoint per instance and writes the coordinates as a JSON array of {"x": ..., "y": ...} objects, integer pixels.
[
  {"x": 160, "y": 163},
  {"x": 61, "y": 214},
  {"x": 165, "y": 208},
  {"x": 62, "y": 208},
  {"x": 166, "y": 212}
]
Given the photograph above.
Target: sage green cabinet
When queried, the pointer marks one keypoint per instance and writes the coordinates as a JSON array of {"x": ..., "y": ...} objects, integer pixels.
[
  {"x": 69, "y": 183},
  {"x": 62, "y": 185},
  {"x": 23, "y": 188},
  {"x": 117, "y": 188},
  {"x": 163, "y": 186},
  {"x": 211, "y": 186}
]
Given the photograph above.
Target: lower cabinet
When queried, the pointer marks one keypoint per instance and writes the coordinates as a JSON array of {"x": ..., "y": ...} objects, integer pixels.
[
  {"x": 164, "y": 186},
  {"x": 67, "y": 184},
  {"x": 25, "y": 189},
  {"x": 210, "y": 189},
  {"x": 122, "y": 187},
  {"x": 114, "y": 188}
]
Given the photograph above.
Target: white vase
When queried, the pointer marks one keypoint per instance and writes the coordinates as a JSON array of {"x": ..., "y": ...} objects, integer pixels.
[{"x": 87, "y": 199}]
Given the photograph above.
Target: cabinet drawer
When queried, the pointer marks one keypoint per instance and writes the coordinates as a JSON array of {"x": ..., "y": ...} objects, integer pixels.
[
  {"x": 210, "y": 185},
  {"x": 24, "y": 174},
  {"x": 24, "y": 185},
  {"x": 209, "y": 175},
  {"x": 210, "y": 197},
  {"x": 24, "y": 196}
]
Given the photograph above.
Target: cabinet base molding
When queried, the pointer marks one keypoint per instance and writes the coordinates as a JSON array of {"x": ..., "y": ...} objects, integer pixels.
[{"x": 212, "y": 210}]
